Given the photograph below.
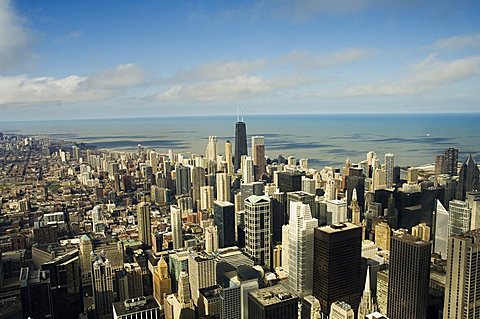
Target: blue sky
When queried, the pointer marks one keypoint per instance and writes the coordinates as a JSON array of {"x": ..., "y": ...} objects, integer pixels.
[{"x": 95, "y": 59}]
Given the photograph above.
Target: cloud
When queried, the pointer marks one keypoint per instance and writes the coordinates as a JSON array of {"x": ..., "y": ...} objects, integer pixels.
[
  {"x": 429, "y": 74},
  {"x": 15, "y": 38},
  {"x": 110, "y": 83},
  {"x": 307, "y": 60},
  {"x": 218, "y": 70},
  {"x": 240, "y": 87},
  {"x": 458, "y": 42}
]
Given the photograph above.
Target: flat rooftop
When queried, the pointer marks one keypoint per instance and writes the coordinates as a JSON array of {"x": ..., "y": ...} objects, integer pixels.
[{"x": 272, "y": 295}]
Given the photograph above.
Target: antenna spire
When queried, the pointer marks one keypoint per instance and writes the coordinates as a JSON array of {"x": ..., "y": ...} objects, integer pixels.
[
  {"x": 242, "y": 113},
  {"x": 238, "y": 114}
]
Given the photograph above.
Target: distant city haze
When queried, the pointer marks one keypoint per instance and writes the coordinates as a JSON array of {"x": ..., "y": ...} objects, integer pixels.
[{"x": 323, "y": 139}]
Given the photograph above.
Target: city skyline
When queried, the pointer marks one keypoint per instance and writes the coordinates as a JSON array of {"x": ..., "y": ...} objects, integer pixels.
[{"x": 83, "y": 60}]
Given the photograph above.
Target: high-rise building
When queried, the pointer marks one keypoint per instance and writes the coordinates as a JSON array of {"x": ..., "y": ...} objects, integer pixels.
[
  {"x": 258, "y": 154},
  {"x": 206, "y": 198},
  {"x": 224, "y": 219},
  {"x": 257, "y": 229},
  {"x": 272, "y": 303},
  {"x": 223, "y": 187},
  {"x": 409, "y": 277},
  {"x": 144, "y": 223},
  {"x": 229, "y": 157},
  {"x": 355, "y": 208},
  {"x": 247, "y": 171},
  {"x": 102, "y": 283},
  {"x": 136, "y": 308},
  {"x": 183, "y": 180},
  {"x": 240, "y": 143},
  {"x": 439, "y": 165},
  {"x": 289, "y": 181},
  {"x": 302, "y": 197},
  {"x": 421, "y": 231},
  {"x": 451, "y": 161},
  {"x": 161, "y": 281},
  {"x": 176, "y": 225},
  {"x": 129, "y": 282},
  {"x": 382, "y": 235},
  {"x": 468, "y": 178},
  {"x": 441, "y": 230},
  {"x": 459, "y": 218},
  {"x": 181, "y": 305},
  {"x": 202, "y": 273},
  {"x": 389, "y": 164},
  {"x": 35, "y": 293},
  {"x": 341, "y": 310},
  {"x": 382, "y": 291},
  {"x": 300, "y": 249},
  {"x": 211, "y": 239},
  {"x": 198, "y": 180},
  {"x": 473, "y": 200},
  {"x": 86, "y": 248},
  {"x": 462, "y": 294},
  {"x": 212, "y": 149},
  {"x": 337, "y": 265}
]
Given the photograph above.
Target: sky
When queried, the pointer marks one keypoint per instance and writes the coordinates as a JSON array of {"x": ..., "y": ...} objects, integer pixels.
[{"x": 105, "y": 59}]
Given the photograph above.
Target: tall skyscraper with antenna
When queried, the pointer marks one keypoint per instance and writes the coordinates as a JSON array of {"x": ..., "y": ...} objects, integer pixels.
[{"x": 240, "y": 142}]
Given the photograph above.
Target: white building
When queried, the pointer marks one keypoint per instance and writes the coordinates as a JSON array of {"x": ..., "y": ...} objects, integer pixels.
[{"x": 257, "y": 229}]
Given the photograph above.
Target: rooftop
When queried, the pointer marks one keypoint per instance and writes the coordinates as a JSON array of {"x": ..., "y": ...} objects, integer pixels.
[
  {"x": 335, "y": 228},
  {"x": 272, "y": 295},
  {"x": 134, "y": 305}
]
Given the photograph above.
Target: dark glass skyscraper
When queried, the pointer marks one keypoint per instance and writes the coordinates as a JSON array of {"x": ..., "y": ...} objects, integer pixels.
[
  {"x": 451, "y": 161},
  {"x": 224, "y": 218},
  {"x": 469, "y": 176},
  {"x": 240, "y": 143},
  {"x": 409, "y": 276}
]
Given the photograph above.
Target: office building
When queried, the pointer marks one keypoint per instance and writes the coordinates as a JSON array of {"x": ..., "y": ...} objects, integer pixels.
[
  {"x": 181, "y": 305},
  {"x": 129, "y": 282},
  {"x": 229, "y": 157},
  {"x": 212, "y": 149},
  {"x": 257, "y": 229},
  {"x": 206, "y": 198},
  {"x": 209, "y": 304},
  {"x": 382, "y": 291},
  {"x": 161, "y": 281},
  {"x": 224, "y": 219},
  {"x": 102, "y": 283},
  {"x": 439, "y": 165},
  {"x": 183, "y": 180},
  {"x": 144, "y": 223},
  {"x": 289, "y": 181},
  {"x": 451, "y": 161},
  {"x": 337, "y": 265},
  {"x": 198, "y": 181},
  {"x": 240, "y": 143},
  {"x": 223, "y": 187},
  {"x": 341, "y": 310},
  {"x": 441, "y": 230},
  {"x": 462, "y": 294},
  {"x": 272, "y": 303},
  {"x": 136, "y": 308},
  {"x": 258, "y": 155},
  {"x": 421, "y": 231},
  {"x": 211, "y": 239},
  {"x": 176, "y": 226},
  {"x": 389, "y": 165},
  {"x": 248, "y": 175},
  {"x": 202, "y": 273},
  {"x": 408, "y": 278},
  {"x": 468, "y": 178},
  {"x": 300, "y": 249},
  {"x": 35, "y": 293},
  {"x": 473, "y": 201},
  {"x": 459, "y": 218}
]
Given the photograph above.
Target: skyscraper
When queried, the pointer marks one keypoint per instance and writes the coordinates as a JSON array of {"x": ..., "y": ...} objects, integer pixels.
[
  {"x": 451, "y": 161},
  {"x": 441, "y": 230},
  {"x": 229, "y": 157},
  {"x": 336, "y": 265},
  {"x": 212, "y": 149},
  {"x": 161, "y": 281},
  {"x": 35, "y": 293},
  {"x": 272, "y": 303},
  {"x": 247, "y": 171},
  {"x": 459, "y": 218},
  {"x": 469, "y": 178},
  {"x": 224, "y": 219},
  {"x": 183, "y": 180},
  {"x": 258, "y": 155},
  {"x": 439, "y": 164},
  {"x": 462, "y": 294},
  {"x": 223, "y": 187},
  {"x": 409, "y": 277},
  {"x": 202, "y": 273},
  {"x": 300, "y": 249},
  {"x": 102, "y": 282},
  {"x": 389, "y": 164},
  {"x": 144, "y": 223},
  {"x": 176, "y": 225},
  {"x": 198, "y": 180},
  {"x": 240, "y": 143},
  {"x": 257, "y": 229}
]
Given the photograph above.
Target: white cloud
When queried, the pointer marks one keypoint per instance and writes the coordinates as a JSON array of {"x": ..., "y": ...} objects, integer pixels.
[
  {"x": 458, "y": 42},
  {"x": 241, "y": 87},
  {"x": 14, "y": 38},
  {"x": 218, "y": 70},
  {"x": 111, "y": 83},
  {"x": 307, "y": 60},
  {"x": 75, "y": 34},
  {"x": 429, "y": 74}
]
